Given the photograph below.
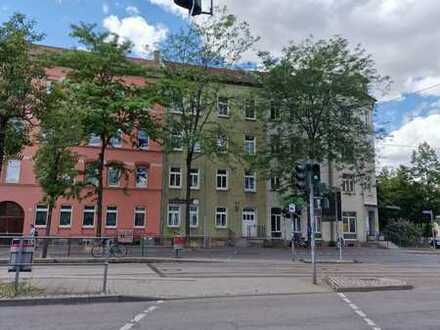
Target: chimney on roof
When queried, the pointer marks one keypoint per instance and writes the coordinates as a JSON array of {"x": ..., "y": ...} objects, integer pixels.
[{"x": 156, "y": 57}]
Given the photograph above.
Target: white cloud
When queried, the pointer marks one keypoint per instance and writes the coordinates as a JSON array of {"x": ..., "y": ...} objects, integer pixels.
[
  {"x": 402, "y": 35},
  {"x": 171, "y": 7},
  {"x": 105, "y": 8},
  {"x": 144, "y": 36},
  {"x": 397, "y": 148},
  {"x": 132, "y": 10}
]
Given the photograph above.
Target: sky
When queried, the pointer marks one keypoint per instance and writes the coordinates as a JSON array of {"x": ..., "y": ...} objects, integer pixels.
[{"x": 401, "y": 35}]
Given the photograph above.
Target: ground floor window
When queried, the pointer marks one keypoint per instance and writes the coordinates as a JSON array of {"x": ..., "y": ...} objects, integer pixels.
[
  {"x": 66, "y": 216},
  {"x": 349, "y": 222},
  {"x": 173, "y": 215},
  {"x": 275, "y": 219},
  {"x": 88, "y": 216},
  {"x": 111, "y": 217},
  {"x": 221, "y": 217},
  {"x": 194, "y": 215},
  {"x": 41, "y": 215},
  {"x": 139, "y": 217}
]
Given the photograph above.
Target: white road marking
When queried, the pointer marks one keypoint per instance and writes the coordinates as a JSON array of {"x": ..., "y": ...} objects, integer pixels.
[
  {"x": 358, "y": 312},
  {"x": 138, "y": 317}
]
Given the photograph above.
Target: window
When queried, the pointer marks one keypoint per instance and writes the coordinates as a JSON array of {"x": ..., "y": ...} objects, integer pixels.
[
  {"x": 221, "y": 217},
  {"x": 116, "y": 140},
  {"x": 91, "y": 174},
  {"x": 276, "y": 222},
  {"x": 275, "y": 182},
  {"x": 141, "y": 177},
  {"x": 139, "y": 217},
  {"x": 41, "y": 215},
  {"x": 111, "y": 217},
  {"x": 13, "y": 171},
  {"x": 173, "y": 215},
  {"x": 347, "y": 183},
  {"x": 113, "y": 176},
  {"x": 274, "y": 111},
  {"x": 175, "y": 177},
  {"x": 194, "y": 216},
  {"x": 349, "y": 222},
  {"x": 275, "y": 144},
  {"x": 222, "y": 180},
  {"x": 65, "y": 216},
  {"x": 250, "y": 113},
  {"x": 88, "y": 216},
  {"x": 249, "y": 214},
  {"x": 194, "y": 178},
  {"x": 222, "y": 143},
  {"x": 177, "y": 141},
  {"x": 94, "y": 140},
  {"x": 143, "y": 139},
  {"x": 223, "y": 106},
  {"x": 249, "y": 145},
  {"x": 249, "y": 181}
]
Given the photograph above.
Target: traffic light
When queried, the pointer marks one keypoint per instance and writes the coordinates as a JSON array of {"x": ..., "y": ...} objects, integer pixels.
[
  {"x": 301, "y": 178},
  {"x": 188, "y": 4},
  {"x": 316, "y": 174}
]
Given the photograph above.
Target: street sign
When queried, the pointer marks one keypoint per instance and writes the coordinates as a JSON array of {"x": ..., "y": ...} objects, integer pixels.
[{"x": 292, "y": 208}]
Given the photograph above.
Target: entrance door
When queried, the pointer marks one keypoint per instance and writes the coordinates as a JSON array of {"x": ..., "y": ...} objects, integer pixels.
[
  {"x": 276, "y": 222},
  {"x": 11, "y": 218},
  {"x": 249, "y": 222},
  {"x": 371, "y": 223}
]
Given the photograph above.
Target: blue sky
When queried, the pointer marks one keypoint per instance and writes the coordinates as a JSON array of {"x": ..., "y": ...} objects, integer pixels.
[{"x": 397, "y": 33}]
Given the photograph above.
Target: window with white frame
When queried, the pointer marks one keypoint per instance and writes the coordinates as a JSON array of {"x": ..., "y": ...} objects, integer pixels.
[
  {"x": 250, "y": 181},
  {"x": 111, "y": 217},
  {"x": 222, "y": 143},
  {"x": 347, "y": 183},
  {"x": 88, "y": 216},
  {"x": 250, "y": 111},
  {"x": 349, "y": 222},
  {"x": 223, "y": 106},
  {"x": 139, "y": 217},
  {"x": 194, "y": 178},
  {"x": 221, "y": 217},
  {"x": 141, "y": 176},
  {"x": 113, "y": 176},
  {"x": 41, "y": 215},
  {"x": 194, "y": 216},
  {"x": 275, "y": 218},
  {"x": 173, "y": 215},
  {"x": 116, "y": 140},
  {"x": 275, "y": 182},
  {"x": 175, "y": 179},
  {"x": 177, "y": 141},
  {"x": 249, "y": 145},
  {"x": 143, "y": 139},
  {"x": 94, "y": 140},
  {"x": 13, "y": 171},
  {"x": 249, "y": 215},
  {"x": 222, "y": 179},
  {"x": 66, "y": 216}
]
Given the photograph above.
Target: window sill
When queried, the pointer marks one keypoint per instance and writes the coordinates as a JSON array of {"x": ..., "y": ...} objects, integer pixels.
[
  {"x": 139, "y": 227},
  {"x": 250, "y": 191},
  {"x": 65, "y": 227},
  {"x": 40, "y": 226},
  {"x": 222, "y": 189},
  {"x": 194, "y": 227},
  {"x": 176, "y": 226},
  {"x": 221, "y": 227},
  {"x": 175, "y": 187},
  {"x": 111, "y": 227},
  {"x": 195, "y": 188},
  {"x": 88, "y": 227},
  {"x": 223, "y": 116}
]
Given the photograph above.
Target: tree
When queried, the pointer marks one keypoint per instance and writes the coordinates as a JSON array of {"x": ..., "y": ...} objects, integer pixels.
[
  {"x": 109, "y": 105},
  {"x": 60, "y": 129},
  {"x": 20, "y": 92},
  {"x": 191, "y": 81},
  {"x": 321, "y": 91}
]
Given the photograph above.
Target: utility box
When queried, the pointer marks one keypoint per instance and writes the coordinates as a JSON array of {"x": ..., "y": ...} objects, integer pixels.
[{"x": 21, "y": 260}]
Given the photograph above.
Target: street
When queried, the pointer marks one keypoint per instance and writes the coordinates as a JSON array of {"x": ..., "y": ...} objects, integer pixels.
[{"x": 416, "y": 309}]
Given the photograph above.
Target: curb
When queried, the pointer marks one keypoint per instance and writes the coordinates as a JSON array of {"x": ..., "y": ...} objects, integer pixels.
[
  {"x": 72, "y": 300},
  {"x": 371, "y": 289},
  {"x": 345, "y": 261}
]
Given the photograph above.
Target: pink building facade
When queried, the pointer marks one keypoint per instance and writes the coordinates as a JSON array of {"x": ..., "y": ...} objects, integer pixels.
[{"x": 131, "y": 202}]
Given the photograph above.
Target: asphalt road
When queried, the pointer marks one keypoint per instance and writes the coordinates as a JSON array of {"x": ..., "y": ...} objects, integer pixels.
[{"x": 417, "y": 309}]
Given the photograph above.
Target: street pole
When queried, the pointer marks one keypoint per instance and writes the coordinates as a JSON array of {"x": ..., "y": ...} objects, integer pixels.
[
  {"x": 293, "y": 237},
  {"x": 313, "y": 226}
]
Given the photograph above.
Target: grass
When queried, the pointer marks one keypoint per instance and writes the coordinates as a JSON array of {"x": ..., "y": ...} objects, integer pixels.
[{"x": 7, "y": 290}]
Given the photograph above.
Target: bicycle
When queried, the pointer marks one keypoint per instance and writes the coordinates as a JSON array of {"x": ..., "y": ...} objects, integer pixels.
[{"x": 114, "y": 249}]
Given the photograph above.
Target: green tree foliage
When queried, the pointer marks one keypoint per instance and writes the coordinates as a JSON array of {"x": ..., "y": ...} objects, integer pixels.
[
  {"x": 110, "y": 106},
  {"x": 321, "y": 92},
  {"x": 20, "y": 90},
  {"x": 192, "y": 79},
  {"x": 55, "y": 161}
]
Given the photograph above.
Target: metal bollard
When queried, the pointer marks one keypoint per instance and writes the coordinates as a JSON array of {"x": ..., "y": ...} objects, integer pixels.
[
  {"x": 18, "y": 263},
  {"x": 104, "y": 284}
]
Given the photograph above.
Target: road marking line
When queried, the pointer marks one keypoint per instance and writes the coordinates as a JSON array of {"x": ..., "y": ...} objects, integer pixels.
[
  {"x": 341, "y": 295},
  {"x": 353, "y": 306},
  {"x": 370, "y": 322},
  {"x": 137, "y": 318},
  {"x": 348, "y": 301},
  {"x": 361, "y": 314},
  {"x": 127, "y": 326},
  {"x": 159, "y": 302},
  {"x": 151, "y": 309}
]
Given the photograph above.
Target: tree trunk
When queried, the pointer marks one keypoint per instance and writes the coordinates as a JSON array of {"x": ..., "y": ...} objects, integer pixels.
[
  {"x": 188, "y": 199},
  {"x": 3, "y": 122},
  {"x": 100, "y": 190},
  {"x": 48, "y": 225}
]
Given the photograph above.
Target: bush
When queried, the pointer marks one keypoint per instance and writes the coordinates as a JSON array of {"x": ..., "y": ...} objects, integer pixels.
[{"x": 403, "y": 233}]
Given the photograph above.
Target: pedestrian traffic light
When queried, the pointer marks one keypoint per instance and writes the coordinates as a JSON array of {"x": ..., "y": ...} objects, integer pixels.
[
  {"x": 194, "y": 6},
  {"x": 301, "y": 178},
  {"x": 316, "y": 174}
]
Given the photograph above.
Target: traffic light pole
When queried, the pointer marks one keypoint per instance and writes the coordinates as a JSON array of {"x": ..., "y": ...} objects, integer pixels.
[{"x": 313, "y": 227}]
